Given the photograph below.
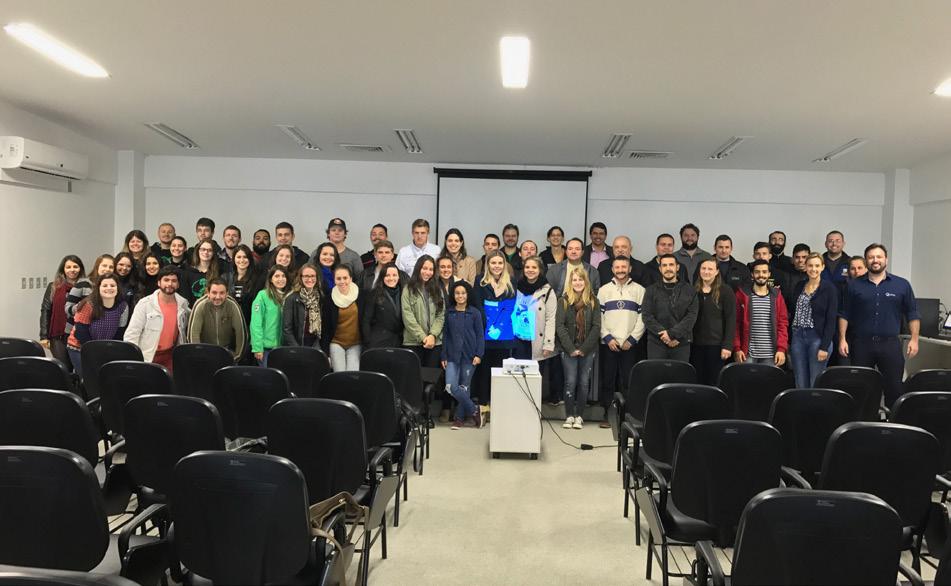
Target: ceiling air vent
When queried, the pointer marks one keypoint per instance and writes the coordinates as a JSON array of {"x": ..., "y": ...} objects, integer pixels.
[
  {"x": 364, "y": 148},
  {"x": 648, "y": 154},
  {"x": 616, "y": 145}
]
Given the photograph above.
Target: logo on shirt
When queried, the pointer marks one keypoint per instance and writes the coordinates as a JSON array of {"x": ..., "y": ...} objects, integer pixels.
[{"x": 890, "y": 295}]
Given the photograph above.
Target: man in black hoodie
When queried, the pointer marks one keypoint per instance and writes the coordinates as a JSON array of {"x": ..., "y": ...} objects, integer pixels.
[{"x": 669, "y": 310}]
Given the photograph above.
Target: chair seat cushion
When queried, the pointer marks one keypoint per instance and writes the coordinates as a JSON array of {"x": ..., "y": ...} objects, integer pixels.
[{"x": 680, "y": 527}]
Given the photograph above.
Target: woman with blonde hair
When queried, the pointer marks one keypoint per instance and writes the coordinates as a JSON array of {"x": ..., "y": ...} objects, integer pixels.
[
  {"x": 816, "y": 305},
  {"x": 494, "y": 295},
  {"x": 578, "y": 327}
]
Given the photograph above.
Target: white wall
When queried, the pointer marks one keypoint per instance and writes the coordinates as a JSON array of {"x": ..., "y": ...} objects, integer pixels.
[
  {"x": 253, "y": 193},
  {"x": 931, "y": 197},
  {"x": 39, "y": 227}
]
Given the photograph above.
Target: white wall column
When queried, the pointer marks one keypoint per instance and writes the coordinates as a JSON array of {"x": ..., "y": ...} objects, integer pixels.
[
  {"x": 130, "y": 195},
  {"x": 898, "y": 222}
]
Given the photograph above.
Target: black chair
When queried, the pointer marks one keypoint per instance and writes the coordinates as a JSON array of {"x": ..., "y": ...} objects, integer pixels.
[
  {"x": 374, "y": 396},
  {"x": 14, "y": 347},
  {"x": 866, "y": 385},
  {"x": 122, "y": 380},
  {"x": 402, "y": 367},
  {"x": 670, "y": 408},
  {"x": 194, "y": 366},
  {"x": 645, "y": 376},
  {"x": 787, "y": 536},
  {"x": 304, "y": 367},
  {"x": 930, "y": 379},
  {"x": 163, "y": 429},
  {"x": 28, "y": 576},
  {"x": 806, "y": 419},
  {"x": 30, "y": 372},
  {"x": 896, "y": 463},
  {"x": 325, "y": 439},
  {"x": 52, "y": 516},
  {"x": 931, "y": 411},
  {"x": 97, "y": 353},
  {"x": 222, "y": 533},
  {"x": 752, "y": 388},
  {"x": 718, "y": 467},
  {"x": 244, "y": 394}
]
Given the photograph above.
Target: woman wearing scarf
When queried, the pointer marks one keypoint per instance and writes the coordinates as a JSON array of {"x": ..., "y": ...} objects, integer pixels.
[
  {"x": 302, "y": 310},
  {"x": 343, "y": 321},
  {"x": 535, "y": 308}
]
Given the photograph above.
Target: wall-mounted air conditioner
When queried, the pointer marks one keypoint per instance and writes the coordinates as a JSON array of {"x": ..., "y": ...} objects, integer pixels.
[{"x": 17, "y": 152}]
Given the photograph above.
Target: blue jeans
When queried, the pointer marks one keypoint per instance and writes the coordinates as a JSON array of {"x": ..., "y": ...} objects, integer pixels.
[
  {"x": 458, "y": 377},
  {"x": 577, "y": 374},
  {"x": 75, "y": 358},
  {"x": 804, "y": 351}
]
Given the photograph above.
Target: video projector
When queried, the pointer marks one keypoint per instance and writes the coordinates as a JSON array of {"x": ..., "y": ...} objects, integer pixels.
[{"x": 516, "y": 366}]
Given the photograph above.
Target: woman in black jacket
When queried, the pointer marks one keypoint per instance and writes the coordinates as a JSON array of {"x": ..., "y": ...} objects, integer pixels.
[
  {"x": 382, "y": 319},
  {"x": 813, "y": 323},
  {"x": 53, "y": 309},
  {"x": 716, "y": 323},
  {"x": 304, "y": 310}
]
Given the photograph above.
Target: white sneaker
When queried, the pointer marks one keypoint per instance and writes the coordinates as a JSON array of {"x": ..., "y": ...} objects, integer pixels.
[
  {"x": 579, "y": 423},
  {"x": 568, "y": 423}
]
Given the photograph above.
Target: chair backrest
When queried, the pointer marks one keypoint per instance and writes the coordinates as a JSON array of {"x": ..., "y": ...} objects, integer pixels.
[
  {"x": 374, "y": 396},
  {"x": 719, "y": 466},
  {"x": 930, "y": 379},
  {"x": 163, "y": 429},
  {"x": 240, "y": 518},
  {"x": 402, "y": 367},
  {"x": 673, "y": 406},
  {"x": 866, "y": 385},
  {"x": 51, "y": 510},
  {"x": 324, "y": 438},
  {"x": 122, "y": 380},
  {"x": 931, "y": 411},
  {"x": 53, "y": 419},
  {"x": 28, "y": 576},
  {"x": 31, "y": 372},
  {"x": 789, "y": 536},
  {"x": 194, "y": 366},
  {"x": 303, "y": 365},
  {"x": 895, "y": 462},
  {"x": 96, "y": 353},
  {"x": 806, "y": 418},
  {"x": 647, "y": 375},
  {"x": 13, "y": 347},
  {"x": 244, "y": 394},
  {"x": 752, "y": 388}
]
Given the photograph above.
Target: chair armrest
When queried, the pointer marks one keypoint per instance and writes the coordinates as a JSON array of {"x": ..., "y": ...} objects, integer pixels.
[
  {"x": 944, "y": 482},
  {"x": 707, "y": 561},
  {"x": 885, "y": 413},
  {"x": 137, "y": 522},
  {"x": 629, "y": 434},
  {"x": 661, "y": 483},
  {"x": 793, "y": 477},
  {"x": 912, "y": 575},
  {"x": 619, "y": 402},
  {"x": 383, "y": 457}
]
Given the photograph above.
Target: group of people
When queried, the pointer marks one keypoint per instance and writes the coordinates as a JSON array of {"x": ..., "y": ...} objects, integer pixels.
[{"x": 594, "y": 306}]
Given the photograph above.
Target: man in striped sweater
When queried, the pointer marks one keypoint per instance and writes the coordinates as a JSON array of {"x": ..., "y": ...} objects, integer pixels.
[{"x": 762, "y": 335}]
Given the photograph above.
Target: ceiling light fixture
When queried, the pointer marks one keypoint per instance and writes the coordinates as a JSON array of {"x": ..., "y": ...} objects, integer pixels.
[
  {"x": 728, "y": 147},
  {"x": 409, "y": 141},
  {"x": 173, "y": 135},
  {"x": 944, "y": 90},
  {"x": 616, "y": 145},
  {"x": 842, "y": 150},
  {"x": 515, "y": 53},
  {"x": 297, "y": 136},
  {"x": 54, "y": 49}
]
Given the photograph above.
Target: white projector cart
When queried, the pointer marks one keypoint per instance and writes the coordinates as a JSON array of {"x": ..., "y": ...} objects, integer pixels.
[{"x": 515, "y": 425}]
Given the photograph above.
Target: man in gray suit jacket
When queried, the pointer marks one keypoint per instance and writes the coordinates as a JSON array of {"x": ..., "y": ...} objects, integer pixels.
[{"x": 557, "y": 274}]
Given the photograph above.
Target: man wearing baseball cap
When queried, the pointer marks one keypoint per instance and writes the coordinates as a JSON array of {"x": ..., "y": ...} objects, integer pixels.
[{"x": 337, "y": 235}]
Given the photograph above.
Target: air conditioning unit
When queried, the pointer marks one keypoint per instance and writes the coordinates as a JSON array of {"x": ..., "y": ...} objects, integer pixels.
[{"x": 17, "y": 152}]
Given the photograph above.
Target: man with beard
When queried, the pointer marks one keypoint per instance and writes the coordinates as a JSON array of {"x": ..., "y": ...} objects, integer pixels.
[
  {"x": 777, "y": 278},
  {"x": 670, "y": 310},
  {"x": 159, "y": 321},
  {"x": 621, "y": 329},
  {"x": 871, "y": 313},
  {"x": 777, "y": 244},
  {"x": 377, "y": 233},
  {"x": 663, "y": 245},
  {"x": 261, "y": 245},
  {"x": 232, "y": 239},
  {"x": 800, "y": 253},
  {"x": 690, "y": 254},
  {"x": 836, "y": 259},
  {"x": 621, "y": 246},
  {"x": 762, "y": 322}
]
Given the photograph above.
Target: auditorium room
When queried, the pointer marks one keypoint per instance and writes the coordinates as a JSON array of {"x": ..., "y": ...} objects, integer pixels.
[{"x": 537, "y": 292}]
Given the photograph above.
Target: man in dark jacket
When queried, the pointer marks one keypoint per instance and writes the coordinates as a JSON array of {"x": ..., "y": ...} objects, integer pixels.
[
  {"x": 597, "y": 252},
  {"x": 777, "y": 245},
  {"x": 669, "y": 311},
  {"x": 663, "y": 245},
  {"x": 622, "y": 247},
  {"x": 732, "y": 272}
]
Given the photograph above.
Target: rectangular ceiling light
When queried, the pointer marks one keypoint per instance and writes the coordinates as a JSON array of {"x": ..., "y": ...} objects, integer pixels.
[
  {"x": 54, "y": 49},
  {"x": 409, "y": 141},
  {"x": 173, "y": 135},
  {"x": 297, "y": 136},
  {"x": 516, "y": 54},
  {"x": 944, "y": 90},
  {"x": 842, "y": 150},
  {"x": 728, "y": 147},
  {"x": 616, "y": 145}
]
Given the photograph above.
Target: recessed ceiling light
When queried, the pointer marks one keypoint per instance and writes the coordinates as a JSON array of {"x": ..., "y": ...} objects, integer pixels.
[
  {"x": 842, "y": 150},
  {"x": 724, "y": 150},
  {"x": 409, "y": 141},
  {"x": 515, "y": 53},
  {"x": 944, "y": 90},
  {"x": 298, "y": 136},
  {"x": 54, "y": 49},
  {"x": 615, "y": 145},
  {"x": 173, "y": 135}
]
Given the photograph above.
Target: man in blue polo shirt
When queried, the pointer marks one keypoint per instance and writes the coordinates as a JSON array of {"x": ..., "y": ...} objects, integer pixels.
[{"x": 871, "y": 311}]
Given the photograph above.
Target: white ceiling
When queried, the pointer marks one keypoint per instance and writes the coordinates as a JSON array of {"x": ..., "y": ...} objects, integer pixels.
[{"x": 801, "y": 76}]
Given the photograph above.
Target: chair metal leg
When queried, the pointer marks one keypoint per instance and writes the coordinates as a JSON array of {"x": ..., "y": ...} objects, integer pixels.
[
  {"x": 627, "y": 494},
  {"x": 619, "y": 456},
  {"x": 396, "y": 506},
  {"x": 365, "y": 556},
  {"x": 665, "y": 579},
  {"x": 405, "y": 486},
  {"x": 650, "y": 555},
  {"x": 382, "y": 530}
]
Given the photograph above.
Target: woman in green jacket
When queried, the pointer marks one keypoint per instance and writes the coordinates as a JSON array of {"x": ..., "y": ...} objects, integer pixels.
[
  {"x": 424, "y": 313},
  {"x": 266, "y": 322}
]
